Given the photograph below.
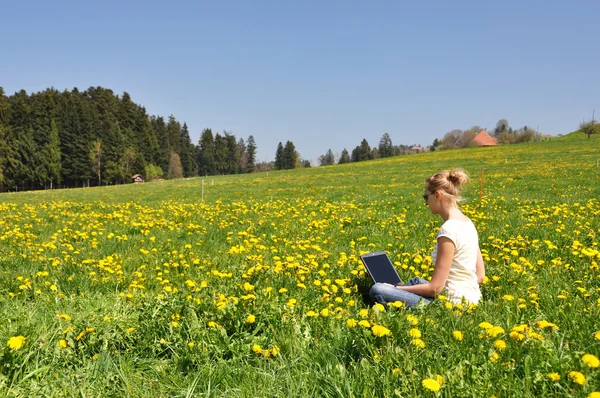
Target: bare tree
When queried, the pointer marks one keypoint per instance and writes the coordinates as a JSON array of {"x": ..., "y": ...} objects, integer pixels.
[
  {"x": 589, "y": 128},
  {"x": 175, "y": 168}
]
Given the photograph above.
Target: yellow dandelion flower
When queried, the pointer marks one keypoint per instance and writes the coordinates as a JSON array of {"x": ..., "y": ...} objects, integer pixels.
[
  {"x": 324, "y": 312},
  {"x": 16, "y": 342},
  {"x": 364, "y": 323},
  {"x": 535, "y": 336},
  {"x": 546, "y": 325},
  {"x": 458, "y": 335},
  {"x": 312, "y": 314},
  {"x": 508, "y": 297},
  {"x": 577, "y": 377},
  {"x": 494, "y": 356},
  {"x": 191, "y": 344},
  {"x": 413, "y": 320},
  {"x": 257, "y": 349},
  {"x": 414, "y": 333},
  {"x": 591, "y": 360},
  {"x": 363, "y": 313},
  {"x": 418, "y": 342},
  {"x": 175, "y": 324},
  {"x": 380, "y": 331},
  {"x": 250, "y": 319},
  {"x": 553, "y": 376},
  {"x": 379, "y": 307},
  {"x": 351, "y": 323},
  {"x": 431, "y": 385},
  {"x": 500, "y": 345},
  {"x": 594, "y": 394},
  {"x": 396, "y": 371},
  {"x": 65, "y": 317},
  {"x": 597, "y": 336},
  {"x": 494, "y": 331},
  {"x": 486, "y": 325},
  {"x": 62, "y": 344},
  {"x": 517, "y": 336}
]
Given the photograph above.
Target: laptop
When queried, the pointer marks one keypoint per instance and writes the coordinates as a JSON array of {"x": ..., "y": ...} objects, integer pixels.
[{"x": 380, "y": 268}]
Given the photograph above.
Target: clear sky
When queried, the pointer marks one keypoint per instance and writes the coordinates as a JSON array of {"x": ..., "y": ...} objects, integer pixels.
[{"x": 323, "y": 74}]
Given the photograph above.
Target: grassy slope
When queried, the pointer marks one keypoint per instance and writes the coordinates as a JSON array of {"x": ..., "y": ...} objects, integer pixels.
[{"x": 529, "y": 190}]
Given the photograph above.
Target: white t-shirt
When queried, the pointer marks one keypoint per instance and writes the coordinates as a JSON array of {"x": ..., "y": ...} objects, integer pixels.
[{"x": 462, "y": 279}]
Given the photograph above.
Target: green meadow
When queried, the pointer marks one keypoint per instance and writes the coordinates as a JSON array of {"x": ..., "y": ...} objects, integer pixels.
[{"x": 251, "y": 285}]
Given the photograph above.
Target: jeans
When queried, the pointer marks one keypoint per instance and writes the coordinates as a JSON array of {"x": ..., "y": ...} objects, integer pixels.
[{"x": 383, "y": 293}]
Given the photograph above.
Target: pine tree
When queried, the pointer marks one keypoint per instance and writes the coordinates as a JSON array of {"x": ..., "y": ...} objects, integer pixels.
[
  {"x": 174, "y": 135},
  {"x": 232, "y": 156},
  {"x": 206, "y": 153},
  {"x": 187, "y": 152},
  {"x": 279, "y": 157},
  {"x": 356, "y": 154},
  {"x": 52, "y": 154},
  {"x": 345, "y": 157},
  {"x": 289, "y": 156},
  {"x": 386, "y": 148},
  {"x": 251, "y": 154},
  {"x": 365, "y": 150}
]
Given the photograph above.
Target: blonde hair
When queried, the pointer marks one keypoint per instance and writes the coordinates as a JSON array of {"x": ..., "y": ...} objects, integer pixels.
[{"x": 448, "y": 183}]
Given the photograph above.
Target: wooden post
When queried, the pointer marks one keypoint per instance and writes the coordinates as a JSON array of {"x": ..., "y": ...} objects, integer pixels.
[{"x": 481, "y": 184}]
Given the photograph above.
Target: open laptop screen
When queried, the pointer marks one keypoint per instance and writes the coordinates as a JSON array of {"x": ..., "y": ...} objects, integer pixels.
[{"x": 380, "y": 268}]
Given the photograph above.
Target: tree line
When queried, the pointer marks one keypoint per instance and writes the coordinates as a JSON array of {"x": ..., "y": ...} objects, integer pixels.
[
  {"x": 503, "y": 133},
  {"x": 363, "y": 151},
  {"x": 94, "y": 137}
]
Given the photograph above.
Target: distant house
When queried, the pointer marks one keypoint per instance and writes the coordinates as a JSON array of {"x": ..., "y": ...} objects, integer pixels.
[
  {"x": 418, "y": 149},
  {"x": 484, "y": 139},
  {"x": 137, "y": 178}
]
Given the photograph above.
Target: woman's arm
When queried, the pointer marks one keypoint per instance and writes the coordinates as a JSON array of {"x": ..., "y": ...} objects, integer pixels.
[
  {"x": 480, "y": 267},
  {"x": 445, "y": 255}
]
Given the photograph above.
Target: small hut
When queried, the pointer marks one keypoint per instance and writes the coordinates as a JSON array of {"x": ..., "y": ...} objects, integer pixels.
[{"x": 137, "y": 178}]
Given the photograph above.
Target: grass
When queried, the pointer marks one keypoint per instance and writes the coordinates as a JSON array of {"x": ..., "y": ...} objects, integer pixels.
[{"x": 149, "y": 287}]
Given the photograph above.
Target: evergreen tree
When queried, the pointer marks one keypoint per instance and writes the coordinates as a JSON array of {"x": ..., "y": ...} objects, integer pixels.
[
  {"x": 345, "y": 157},
  {"x": 188, "y": 161},
  {"x": 290, "y": 156},
  {"x": 232, "y": 154},
  {"x": 279, "y": 157},
  {"x": 160, "y": 130},
  {"x": 221, "y": 154},
  {"x": 327, "y": 159},
  {"x": 365, "y": 151},
  {"x": 174, "y": 135},
  {"x": 251, "y": 154},
  {"x": 52, "y": 154},
  {"x": 386, "y": 148},
  {"x": 356, "y": 154},
  {"x": 206, "y": 153}
]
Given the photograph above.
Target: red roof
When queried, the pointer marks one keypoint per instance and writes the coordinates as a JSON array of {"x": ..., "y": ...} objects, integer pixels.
[{"x": 484, "y": 139}]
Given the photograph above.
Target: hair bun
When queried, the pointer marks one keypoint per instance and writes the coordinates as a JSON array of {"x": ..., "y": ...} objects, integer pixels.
[{"x": 458, "y": 177}]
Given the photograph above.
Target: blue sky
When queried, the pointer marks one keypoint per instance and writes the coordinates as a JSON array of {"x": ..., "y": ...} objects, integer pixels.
[{"x": 322, "y": 74}]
